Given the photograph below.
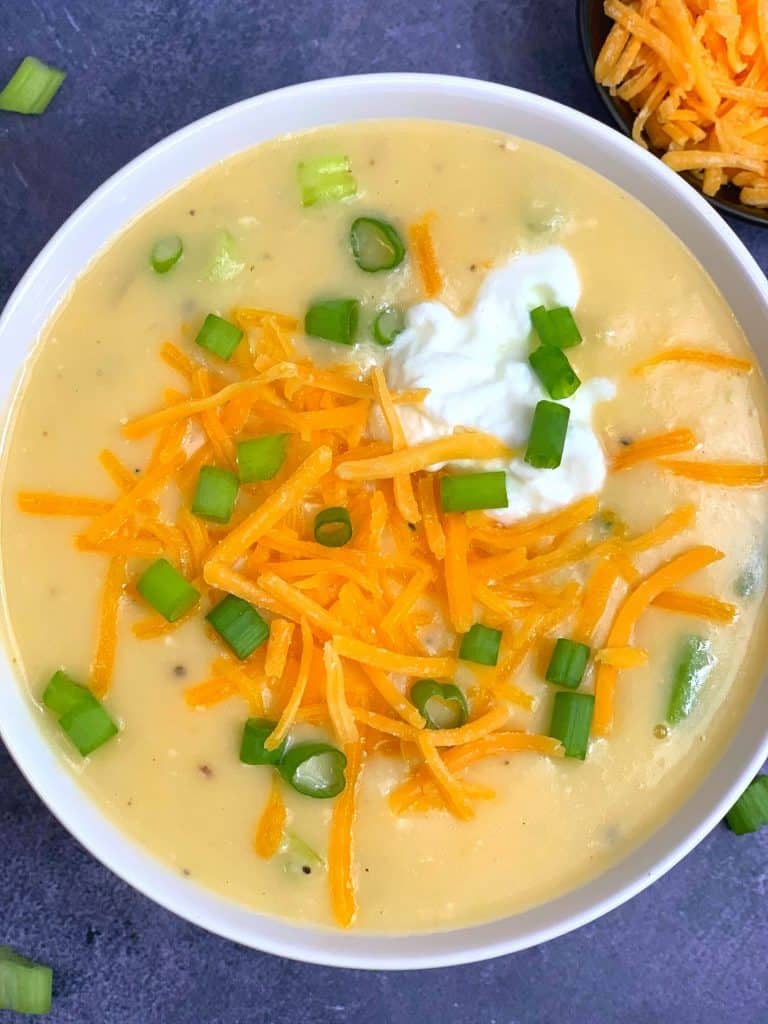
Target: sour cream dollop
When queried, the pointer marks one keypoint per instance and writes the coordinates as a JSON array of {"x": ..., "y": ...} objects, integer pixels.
[{"x": 477, "y": 372}]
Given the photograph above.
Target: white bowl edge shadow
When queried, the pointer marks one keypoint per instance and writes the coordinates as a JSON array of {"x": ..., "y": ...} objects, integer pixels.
[{"x": 163, "y": 167}]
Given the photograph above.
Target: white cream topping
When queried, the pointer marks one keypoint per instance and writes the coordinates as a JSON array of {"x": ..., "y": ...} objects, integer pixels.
[{"x": 477, "y": 372}]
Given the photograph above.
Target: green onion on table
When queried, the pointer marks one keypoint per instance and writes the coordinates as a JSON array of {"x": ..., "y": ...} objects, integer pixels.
[
  {"x": 25, "y": 986},
  {"x": 31, "y": 87}
]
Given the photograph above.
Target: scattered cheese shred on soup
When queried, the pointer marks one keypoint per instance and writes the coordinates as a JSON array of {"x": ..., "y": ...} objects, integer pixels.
[{"x": 383, "y": 527}]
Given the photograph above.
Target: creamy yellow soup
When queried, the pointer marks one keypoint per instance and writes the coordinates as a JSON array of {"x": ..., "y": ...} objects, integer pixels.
[{"x": 172, "y": 780}]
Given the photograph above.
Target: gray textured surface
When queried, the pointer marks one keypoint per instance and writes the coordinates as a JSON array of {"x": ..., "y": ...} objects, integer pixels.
[{"x": 690, "y": 950}]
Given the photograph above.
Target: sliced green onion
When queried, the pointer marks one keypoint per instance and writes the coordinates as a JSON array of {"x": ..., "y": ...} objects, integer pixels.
[
  {"x": 225, "y": 264},
  {"x": 571, "y": 722},
  {"x": 481, "y": 645},
  {"x": 81, "y": 716},
  {"x": 31, "y": 87},
  {"x": 553, "y": 369},
  {"x": 750, "y": 812},
  {"x": 298, "y": 857},
  {"x": 333, "y": 320},
  {"x": 333, "y": 527},
  {"x": 25, "y": 987},
  {"x": 215, "y": 494},
  {"x": 568, "y": 663},
  {"x": 326, "y": 179},
  {"x": 252, "y": 749},
  {"x": 556, "y": 326},
  {"x": 751, "y": 579},
  {"x": 260, "y": 458},
  {"x": 467, "y": 491},
  {"x": 62, "y": 693},
  {"x": 375, "y": 245},
  {"x": 314, "y": 769},
  {"x": 218, "y": 336},
  {"x": 547, "y": 438},
  {"x": 388, "y": 323},
  {"x": 239, "y": 625},
  {"x": 166, "y": 590},
  {"x": 694, "y": 665},
  {"x": 88, "y": 725},
  {"x": 442, "y": 705},
  {"x": 166, "y": 253}
]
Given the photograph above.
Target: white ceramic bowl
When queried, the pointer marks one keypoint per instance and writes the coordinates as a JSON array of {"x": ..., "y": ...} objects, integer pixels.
[{"x": 162, "y": 168}]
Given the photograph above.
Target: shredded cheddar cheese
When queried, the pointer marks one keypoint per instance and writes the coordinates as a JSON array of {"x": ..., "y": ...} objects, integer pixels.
[{"x": 695, "y": 73}]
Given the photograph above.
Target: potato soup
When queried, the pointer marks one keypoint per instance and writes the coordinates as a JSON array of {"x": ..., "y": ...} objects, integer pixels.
[{"x": 390, "y": 499}]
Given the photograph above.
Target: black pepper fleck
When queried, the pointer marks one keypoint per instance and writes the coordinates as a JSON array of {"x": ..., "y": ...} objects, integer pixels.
[
  {"x": 307, "y": 869},
  {"x": 192, "y": 213},
  {"x": 473, "y": 267},
  {"x": 626, "y": 441},
  {"x": 45, "y": 433},
  {"x": 206, "y": 770},
  {"x": 179, "y": 670},
  {"x": 186, "y": 872}
]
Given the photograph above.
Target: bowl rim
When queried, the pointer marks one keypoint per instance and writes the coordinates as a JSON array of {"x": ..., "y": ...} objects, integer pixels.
[
  {"x": 731, "y": 207},
  {"x": 413, "y": 95}
]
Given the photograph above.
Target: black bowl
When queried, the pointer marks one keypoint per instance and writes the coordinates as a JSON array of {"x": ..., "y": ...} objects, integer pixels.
[{"x": 594, "y": 26}]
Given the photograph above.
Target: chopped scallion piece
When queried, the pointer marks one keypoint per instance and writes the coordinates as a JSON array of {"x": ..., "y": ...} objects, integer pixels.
[
  {"x": 166, "y": 253},
  {"x": 750, "y": 812},
  {"x": 88, "y": 725},
  {"x": 314, "y": 769},
  {"x": 326, "y": 179},
  {"x": 481, "y": 645},
  {"x": 547, "y": 437},
  {"x": 260, "y": 458},
  {"x": 333, "y": 527},
  {"x": 252, "y": 749},
  {"x": 298, "y": 857},
  {"x": 31, "y": 87},
  {"x": 62, "y": 693},
  {"x": 694, "y": 665},
  {"x": 388, "y": 323},
  {"x": 467, "y": 491},
  {"x": 442, "y": 705},
  {"x": 571, "y": 722},
  {"x": 215, "y": 494},
  {"x": 218, "y": 336},
  {"x": 239, "y": 624},
  {"x": 375, "y": 245},
  {"x": 551, "y": 366},
  {"x": 556, "y": 326},
  {"x": 225, "y": 263},
  {"x": 25, "y": 987},
  {"x": 166, "y": 590},
  {"x": 568, "y": 663},
  {"x": 333, "y": 320}
]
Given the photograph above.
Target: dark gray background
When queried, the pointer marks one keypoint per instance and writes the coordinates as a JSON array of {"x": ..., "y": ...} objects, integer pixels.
[{"x": 690, "y": 950}]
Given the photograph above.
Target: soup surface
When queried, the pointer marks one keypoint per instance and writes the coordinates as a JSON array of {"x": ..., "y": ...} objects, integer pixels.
[{"x": 471, "y": 839}]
